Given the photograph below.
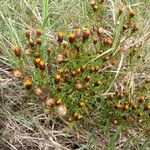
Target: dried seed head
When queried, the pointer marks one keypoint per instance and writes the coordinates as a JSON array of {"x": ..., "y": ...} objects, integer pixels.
[
  {"x": 60, "y": 37},
  {"x": 42, "y": 65},
  {"x": 135, "y": 28},
  {"x": 78, "y": 86},
  {"x": 28, "y": 83},
  {"x": 115, "y": 122},
  {"x": 93, "y": 2},
  {"x": 17, "y": 73},
  {"x": 60, "y": 58},
  {"x": 86, "y": 34},
  {"x": 38, "y": 91},
  {"x": 37, "y": 55},
  {"x": 50, "y": 102},
  {"x": 17, "y": 51},
  {"x": 72, "y": 54},
  {"x": 62, "y": 110},
  {"x": 71, "y": 37}
]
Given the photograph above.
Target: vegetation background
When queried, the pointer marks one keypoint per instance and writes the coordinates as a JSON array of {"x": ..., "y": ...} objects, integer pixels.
[{"x": 21, "y": 130}]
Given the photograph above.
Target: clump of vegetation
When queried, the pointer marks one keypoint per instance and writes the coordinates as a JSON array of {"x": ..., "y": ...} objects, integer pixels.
[{"x": 67, "y": 79}]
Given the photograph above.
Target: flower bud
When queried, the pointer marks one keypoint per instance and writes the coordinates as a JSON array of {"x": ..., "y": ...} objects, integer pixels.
[
  {"x": 37, "y": 62},
  {"x": 86, "y": 34},
  {"x": 78, "y": 33},
  {"x": 95, "y": 40},
  {"x": 48, "y": 51},
  {"x": 31, "y": 43},
  {"x": 57, "y": 79},
  {"x": 38, "y": 42},
  {"x": 98, "y": 83},
  {"x": 17, "y": 51},
  {"x": 38, "y": 32},
  {"x": 60, "y": 37},
  {"x": 83, "y": 68},
  {"x": 42, "y": 65},
  {"x": 59, "y": 101},
  {"x": 132, "y": 13},
  {"x": 71, "y": 37},
  {"x": 81, "y": 104},
  {"x": 142, "y": 99},
  {"x": 87, "y": 78},
  {"x": 49, "y": 102},
  {"x": 28, "y": 84},
  {"x": 27, "y": 33}
]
